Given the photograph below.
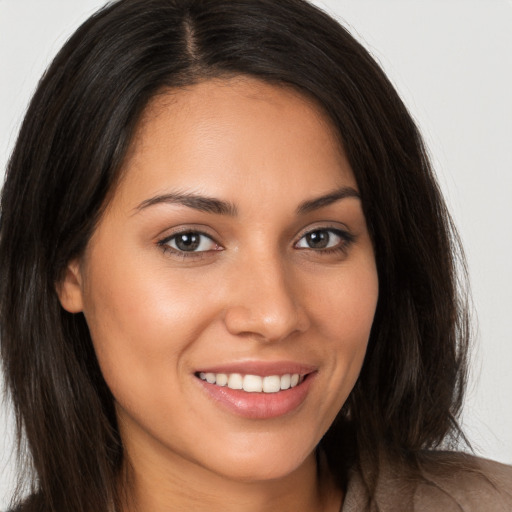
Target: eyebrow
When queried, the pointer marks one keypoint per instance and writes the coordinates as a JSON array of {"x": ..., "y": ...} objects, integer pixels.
[
  {"x": 195, "y": 201},
  {"x": 327, "y": 199},
  {"x": 220, "y": 207}
]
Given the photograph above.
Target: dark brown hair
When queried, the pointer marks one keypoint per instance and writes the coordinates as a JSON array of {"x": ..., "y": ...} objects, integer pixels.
[{"x": 67, "y": 160}]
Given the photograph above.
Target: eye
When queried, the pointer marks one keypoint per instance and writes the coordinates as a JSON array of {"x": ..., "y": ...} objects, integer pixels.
[
  {"x": 189, "y": 241},
  {"x": 321, "y": 239}
]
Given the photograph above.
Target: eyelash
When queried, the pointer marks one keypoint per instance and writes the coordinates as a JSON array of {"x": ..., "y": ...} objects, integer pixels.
[
  {"x": 166, "y": 248},
  {"x": 346, "y": 239}
]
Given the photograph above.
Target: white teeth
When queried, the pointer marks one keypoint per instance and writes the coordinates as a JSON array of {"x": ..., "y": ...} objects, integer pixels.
[
  {"x": 222, "y": 379},
  {"x": 253, "y": 383},
  {"x": 286, "y": 381},
  {"x": 272, "y": 384},
  {"x": 235, "y": 381}
]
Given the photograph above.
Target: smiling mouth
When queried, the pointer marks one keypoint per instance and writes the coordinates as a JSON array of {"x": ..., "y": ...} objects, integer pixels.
[{"x": 253, "y": 383}]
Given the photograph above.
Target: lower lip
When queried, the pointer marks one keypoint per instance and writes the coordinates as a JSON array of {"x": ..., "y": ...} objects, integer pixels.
[{"x": 260, "y": 405}]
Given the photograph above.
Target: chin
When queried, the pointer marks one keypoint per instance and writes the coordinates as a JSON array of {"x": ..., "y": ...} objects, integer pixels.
[{"x": 263, "y": 465}]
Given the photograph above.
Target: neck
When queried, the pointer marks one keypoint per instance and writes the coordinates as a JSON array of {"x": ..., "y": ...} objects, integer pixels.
[{"x": 181, "y": 485}]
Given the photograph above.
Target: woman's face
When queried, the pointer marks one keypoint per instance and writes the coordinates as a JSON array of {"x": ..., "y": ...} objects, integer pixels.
[{"x": 234, "y": 250}]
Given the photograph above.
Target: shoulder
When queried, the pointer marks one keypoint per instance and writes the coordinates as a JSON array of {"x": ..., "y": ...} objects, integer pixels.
[
  {"x": 472, "y": 483},
  {"x": 437, "y": 481}
]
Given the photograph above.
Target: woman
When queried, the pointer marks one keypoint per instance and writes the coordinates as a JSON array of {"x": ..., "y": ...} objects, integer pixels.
[{"x": 228, "y": 275}]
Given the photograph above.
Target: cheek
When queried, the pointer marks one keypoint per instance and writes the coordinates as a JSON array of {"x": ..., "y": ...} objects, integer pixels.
[
  {"x": 141, "y": 323},
  {"x": 345, "y": 306},
  {"x": 343, "y": 315}
]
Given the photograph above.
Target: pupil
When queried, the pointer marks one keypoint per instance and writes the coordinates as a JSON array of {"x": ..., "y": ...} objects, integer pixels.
[
  {"x": 187, "y": 241},
  {"x": 318, "y": 239}
]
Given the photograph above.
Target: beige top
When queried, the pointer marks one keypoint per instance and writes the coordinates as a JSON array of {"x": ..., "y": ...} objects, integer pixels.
[{"x": 437, "y": 486}]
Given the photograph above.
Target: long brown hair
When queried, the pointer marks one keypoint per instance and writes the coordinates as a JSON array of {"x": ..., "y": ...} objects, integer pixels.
[{"x": 68, "y": 158}]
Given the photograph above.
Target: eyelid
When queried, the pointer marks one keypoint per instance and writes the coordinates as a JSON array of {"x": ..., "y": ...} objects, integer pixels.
[
  {"x": 170, "y": 236},
  {"x": 163, "y": 242},
  {"x": 202, "y": 229},
  {"x": 339, "y": 228},
  {"x": 346, "y": 236}
]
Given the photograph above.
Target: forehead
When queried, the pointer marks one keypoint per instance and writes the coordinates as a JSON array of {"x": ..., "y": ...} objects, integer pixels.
[
  {"x": 231, "y": 96},
  {"x": 232, "y": 132},
  {"x": 229, "y": 99}
]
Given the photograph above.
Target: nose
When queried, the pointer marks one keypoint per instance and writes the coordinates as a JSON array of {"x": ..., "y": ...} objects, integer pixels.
[{"x": 265, "y": 301}]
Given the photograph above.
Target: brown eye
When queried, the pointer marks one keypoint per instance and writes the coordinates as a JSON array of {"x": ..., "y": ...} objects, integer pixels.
[
  {"x": 318, "y": 239},
  {"x": 323, "y": 239},
  {"x": 190, "y": 241}
]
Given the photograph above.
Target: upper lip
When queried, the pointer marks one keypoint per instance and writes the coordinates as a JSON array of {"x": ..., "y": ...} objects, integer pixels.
[{"x": 261, "y": 368}]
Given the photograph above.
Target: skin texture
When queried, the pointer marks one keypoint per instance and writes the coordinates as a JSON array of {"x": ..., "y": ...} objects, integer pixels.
[{"x": 258, "y": 292}]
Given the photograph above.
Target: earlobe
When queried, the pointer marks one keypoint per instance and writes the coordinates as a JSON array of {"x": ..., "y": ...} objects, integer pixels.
[{"x": 69, "y": 288}]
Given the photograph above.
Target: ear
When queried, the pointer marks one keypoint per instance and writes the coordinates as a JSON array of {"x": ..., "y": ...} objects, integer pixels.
[{"x": 69, "y": 288}]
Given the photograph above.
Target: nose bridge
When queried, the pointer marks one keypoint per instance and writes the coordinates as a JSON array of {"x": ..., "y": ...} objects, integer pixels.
[{"x": 264, "y": 301}]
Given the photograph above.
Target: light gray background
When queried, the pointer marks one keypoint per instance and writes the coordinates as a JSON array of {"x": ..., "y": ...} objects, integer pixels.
[{"x": 452, "y": 62}]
